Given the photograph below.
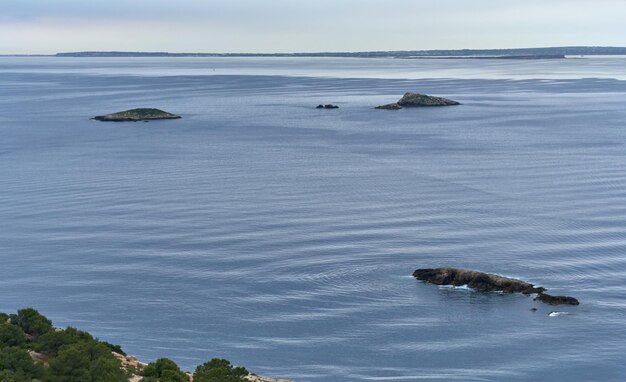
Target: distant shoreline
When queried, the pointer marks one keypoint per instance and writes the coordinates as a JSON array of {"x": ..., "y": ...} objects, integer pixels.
[
  {"x": 469, "y": 53},
  {"x": 180, "y": 55},
  {"x": 520, "y": 54},
  {"x": 505, "y": 57},
  {"x": 517, "y": 53}
]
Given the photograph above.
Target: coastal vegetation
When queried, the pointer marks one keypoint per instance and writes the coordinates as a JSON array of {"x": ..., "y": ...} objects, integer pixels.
[
  {"x": 33, "y": 350},
  {"x": 163, "y": 370}
]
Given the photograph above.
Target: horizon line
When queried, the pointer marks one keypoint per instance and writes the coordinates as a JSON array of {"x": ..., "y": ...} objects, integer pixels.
[{"x": 313, "y": 52}]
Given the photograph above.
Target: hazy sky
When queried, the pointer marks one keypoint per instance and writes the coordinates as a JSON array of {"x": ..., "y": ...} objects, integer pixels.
[{"x": 49, "y": 26}]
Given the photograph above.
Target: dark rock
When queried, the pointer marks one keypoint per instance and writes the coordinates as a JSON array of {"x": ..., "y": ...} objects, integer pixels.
[
  {"x": 488, "y": 282},
  {"x": 417, "y": 100},
  {"x": 485, "y": 282},
  {"x": 134, "y": 115},
  {"x": 328, "y": 106},
  {"x": 533, "y": 309},
  {"x": 389, "y": 106},
  {"x": 556, "y": 300}
]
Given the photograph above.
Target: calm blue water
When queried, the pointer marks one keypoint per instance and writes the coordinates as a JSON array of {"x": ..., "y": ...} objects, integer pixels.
[{"x": 283, "y": 238}]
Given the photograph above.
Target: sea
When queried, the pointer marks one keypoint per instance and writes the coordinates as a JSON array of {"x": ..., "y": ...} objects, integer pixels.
[{"x": 282, "y": 237}]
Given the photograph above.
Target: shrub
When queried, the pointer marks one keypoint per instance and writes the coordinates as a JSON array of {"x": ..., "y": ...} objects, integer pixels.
[
  {"x": 107, "y": 369},
  {"x": 71, "y": 365},
  {"x": 115, "y": 348},
  {"x": 11, "y": 335},
  {"x": 53, "y": 340},
  {"x": 32, "y": 322},
  {"x": 16, "y": 365},
  {"x": 219, "y": 370},
  {"x": 85, "y": 361},
  {"x": 163, "y": 370}
]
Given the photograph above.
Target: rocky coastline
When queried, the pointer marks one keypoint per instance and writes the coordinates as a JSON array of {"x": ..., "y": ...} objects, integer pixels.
[
  {"x": 38, "y": 351},
  {"x": 134, "y": 368}
]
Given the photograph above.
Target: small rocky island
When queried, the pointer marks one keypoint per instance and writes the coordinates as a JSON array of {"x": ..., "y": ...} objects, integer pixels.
[
  {"x": 418, "y": 100},
  {"x": 487, "y": 282},
  {"x": 134, "y": 115},
  {"x": 327, "y": 106}
]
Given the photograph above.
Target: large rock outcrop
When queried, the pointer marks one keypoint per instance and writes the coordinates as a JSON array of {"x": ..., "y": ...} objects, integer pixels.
[
  {"x": 556, "y": 300},
  {"x": 389, "y": 106},
  {"x": 418, "y": 100},
  {"x": 134, "y": 115},
  {"x": 485, "y": 282},
  {"x": 488, "y": 282}
]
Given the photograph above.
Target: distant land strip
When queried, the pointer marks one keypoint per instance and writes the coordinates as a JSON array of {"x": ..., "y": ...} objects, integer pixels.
[{"x": 520, "y": 53}]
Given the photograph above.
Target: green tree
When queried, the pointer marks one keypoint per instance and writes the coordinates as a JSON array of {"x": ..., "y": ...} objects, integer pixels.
[
  {"x": 16, "y": 365},
  {"x": 219, "y": 370},
  {"x": 32, "y": 322},
  {"x": 116, "y": 348},
  {"x": 71, "y": 365},
  {"x": 15, "y": 376},
  {"x": 85, "y": 361},
  {"x": 106, "y": 369},
  {"x": 163, "y": 370},
  {"x": 11, "y": 335},
  {"x": 53, "y": 340}
]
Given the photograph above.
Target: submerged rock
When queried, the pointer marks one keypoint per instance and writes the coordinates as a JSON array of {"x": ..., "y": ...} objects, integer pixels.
[
  {"x": 556, "y": 300},
  {"x": 134, "y": 115},
  {"x": 488, "y": 282},
  {"x": 416, "y": 100},
  {"x": 485, "y": 282},
  {"x": 389, "y": 106},
  {"x": 328, "y": 106}
]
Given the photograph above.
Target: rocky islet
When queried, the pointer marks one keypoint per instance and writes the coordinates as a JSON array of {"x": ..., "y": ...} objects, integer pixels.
[
  {"x": 135, "y": 115},
  {"x": 488, "y": 282},
  {"x": 418, "y": 100}
]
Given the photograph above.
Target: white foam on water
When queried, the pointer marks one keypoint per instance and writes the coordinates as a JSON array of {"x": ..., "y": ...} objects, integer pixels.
[
  {"x": 463, "y": 287},
  {"x": 557, "y": 314}
]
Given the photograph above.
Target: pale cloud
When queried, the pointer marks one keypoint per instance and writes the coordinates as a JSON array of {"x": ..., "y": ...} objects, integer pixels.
[{"x": 48, "y": 26}]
